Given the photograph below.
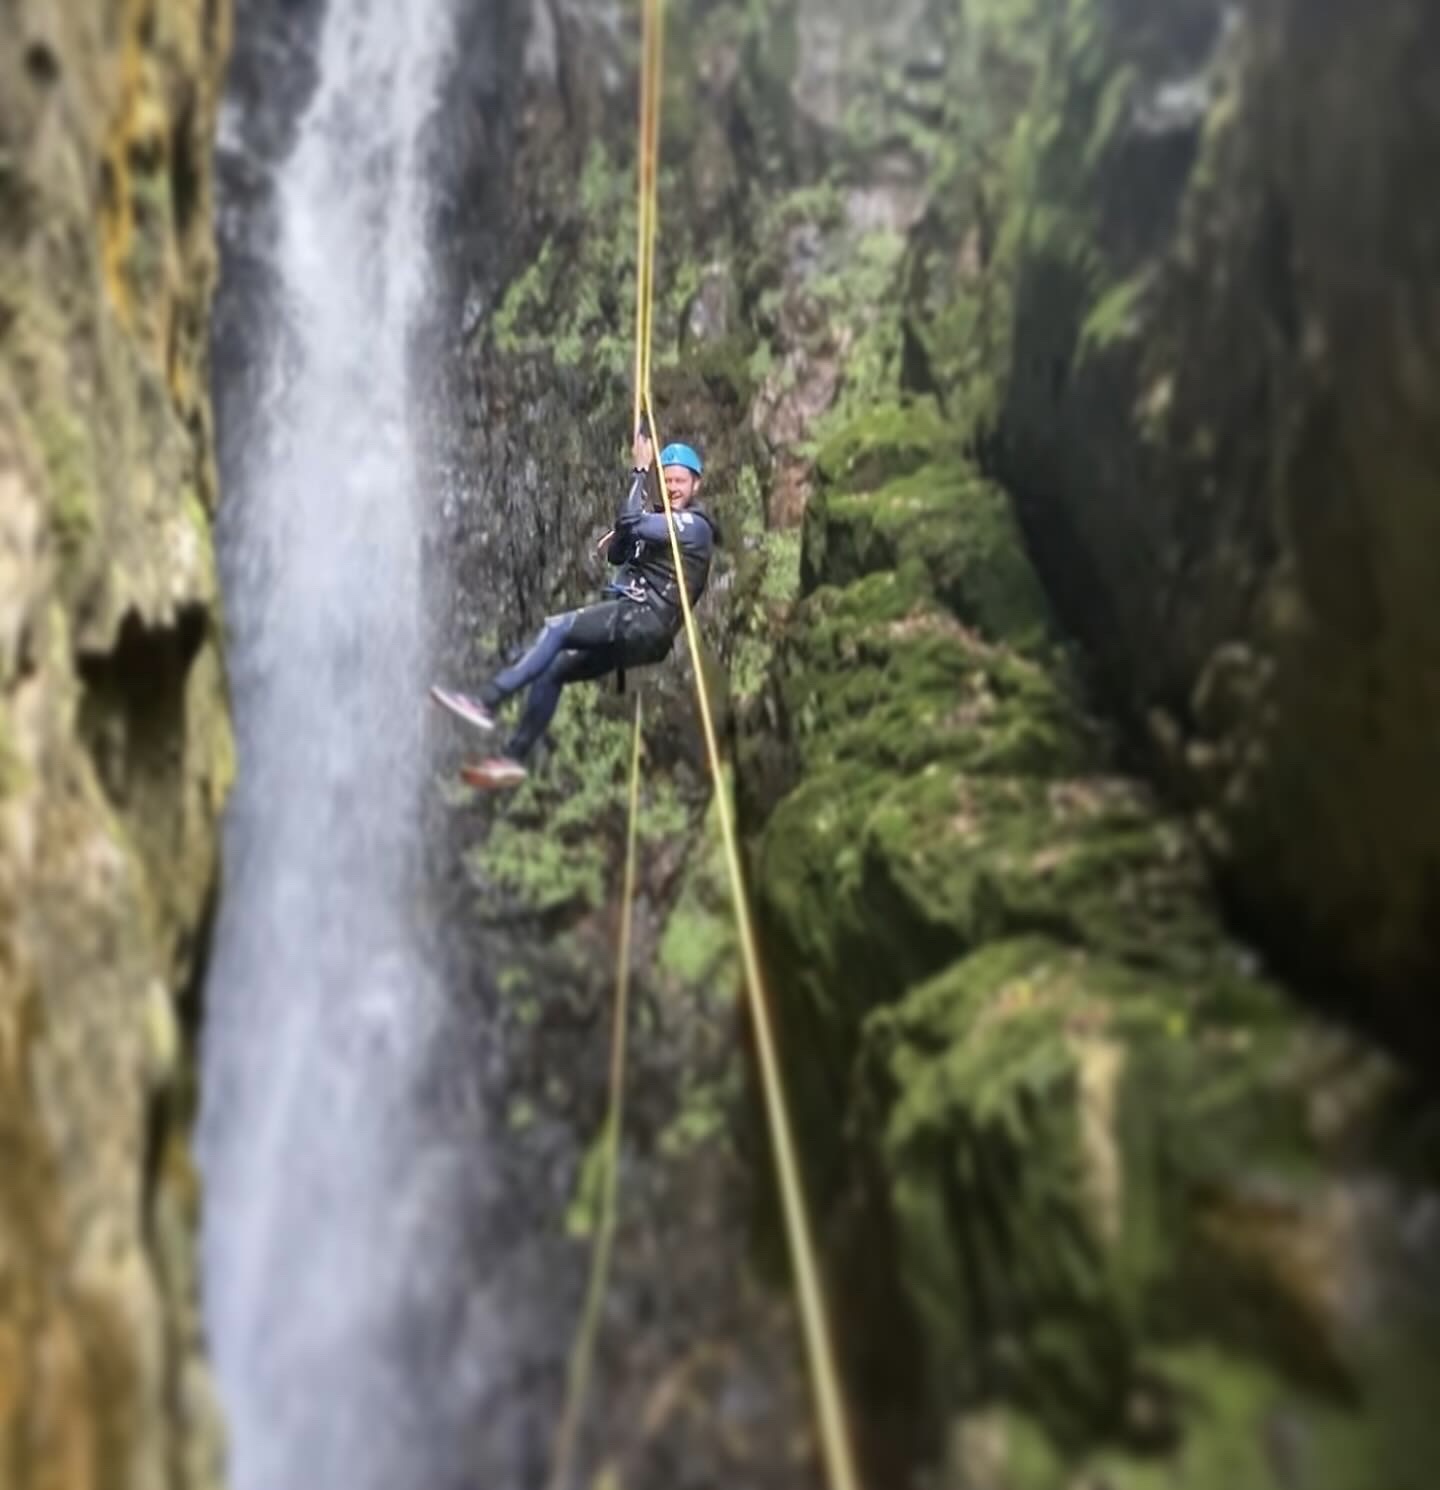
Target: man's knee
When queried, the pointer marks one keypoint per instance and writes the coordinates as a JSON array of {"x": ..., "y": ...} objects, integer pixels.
[
  {"x": 561, "y": 622},
  {"x": 560, "y": 668}
]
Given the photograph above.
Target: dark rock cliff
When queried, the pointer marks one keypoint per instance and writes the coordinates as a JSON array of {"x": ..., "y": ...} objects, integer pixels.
[
  {"x": 1151, "y": 1218},
  {"x": 1100, "y": 1197},
  {"x": 1219, "y": 424}
]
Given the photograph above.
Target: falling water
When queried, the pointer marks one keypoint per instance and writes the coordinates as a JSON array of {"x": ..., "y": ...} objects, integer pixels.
[{"x": 328, "y": 1214}]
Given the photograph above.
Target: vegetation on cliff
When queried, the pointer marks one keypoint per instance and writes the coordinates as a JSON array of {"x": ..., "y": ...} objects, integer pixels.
[
  {"x": 114, "y": 740},
  {"x": 1004, "y": 326},
  {"x": 1105, "y": 1202},
  {"x": 1116, "y": 1168},
  {"x": 1216, "y": 421}
]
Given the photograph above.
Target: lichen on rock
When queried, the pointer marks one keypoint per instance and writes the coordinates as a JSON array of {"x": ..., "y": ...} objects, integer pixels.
[
  {"x": 116, "y": 746},
  {"x": 1105, "y": 1202},
  {"x": 1025, "y": 1051},
  {"x": 1213, "y": 423}
]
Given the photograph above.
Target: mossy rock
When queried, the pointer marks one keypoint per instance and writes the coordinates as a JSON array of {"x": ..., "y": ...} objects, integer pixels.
[
  {"x": 1247, "y": 1428},
  {"x": 1060, "y": 1134},
  {"x": 1085, "y": 860},
  {"x": 880, "y": 673},
  {"x": 945, "y": 517},
  {"x": 869, "y": 884},
  {"x": 882, "y": 443}
]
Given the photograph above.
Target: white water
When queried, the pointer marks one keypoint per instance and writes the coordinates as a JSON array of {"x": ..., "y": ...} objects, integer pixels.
[{"x": 326, "y": 1218}]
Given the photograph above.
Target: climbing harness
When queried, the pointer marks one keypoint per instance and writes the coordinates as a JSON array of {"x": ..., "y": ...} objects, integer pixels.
[{"x": 833, "y": 1428}]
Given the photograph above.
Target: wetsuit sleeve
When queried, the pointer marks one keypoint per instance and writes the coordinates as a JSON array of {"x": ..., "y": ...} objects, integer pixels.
[
  {"x": 621, "y": 546},
  {"x": 622, "y": 540},
  {"x": 637, "y": 496},
  {"x": 691, "y": 528}
]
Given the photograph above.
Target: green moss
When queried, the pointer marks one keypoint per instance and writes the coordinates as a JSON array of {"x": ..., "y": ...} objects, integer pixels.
[
  {"x": 1236, "y": 1416},
  {"x": 553, "y": 848},
  {"x": 878, "y": 673},
  {"x": 780, "y": 578},
  {"x": 1115, "y": 100},
  {"x": 526, "y": 295},
  {"x": 583, "y": 1212},
  {"x": 195, "y": 513},
  {"x": 512, "y": 980},
  {"x": 1066, "y": 237},
  {"x": 745, "y": 509},
  {"x": 150, "y": 246},
  {"x": 697, "y": 942},
  {"x": 69, "y": 464},
  {"x": 750, "y": 667},
  {"x": 603, "y": 188},
  {"x": 866, "y": 277},
  {"x": 886, "y": 441},
  {"x": 702, "y": 1119},
  {"x": 575, "y": 301},
  {"x": 698, "y": 947},
  {"x": 817, "y": 204},
  {"x": 1043, "y": 1082},
  {"x": 543, "y": 874},
  {"x": 13, "y": 772},
  {"x": 725, "y": 366},
  {"x": 961, "y": 860},
  {"x": 941, "y": 516},
  {"x": 1114, "y": 317}
]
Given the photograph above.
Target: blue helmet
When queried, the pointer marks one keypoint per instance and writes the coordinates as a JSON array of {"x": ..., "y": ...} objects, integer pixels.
[{"x": 682, "y": 455}]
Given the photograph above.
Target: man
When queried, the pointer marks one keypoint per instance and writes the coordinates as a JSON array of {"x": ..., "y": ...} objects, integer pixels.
[{"x": 635, "y": 626}]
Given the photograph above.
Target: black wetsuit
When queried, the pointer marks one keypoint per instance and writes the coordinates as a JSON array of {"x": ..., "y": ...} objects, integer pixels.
[{"x": 631, "y": 629}]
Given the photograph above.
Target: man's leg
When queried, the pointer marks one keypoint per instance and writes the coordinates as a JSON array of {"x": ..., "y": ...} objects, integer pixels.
[
  {"x": 544, "y": 696},
  {"x": 507, "y": 769},
  {"x": 593, "y": 626},
  {"x": 600, "y": 639},
  {"x": 577, "y": 630}
]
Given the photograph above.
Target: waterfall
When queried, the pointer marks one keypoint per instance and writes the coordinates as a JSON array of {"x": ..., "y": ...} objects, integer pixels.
[{"x": 333, "y": 1179}]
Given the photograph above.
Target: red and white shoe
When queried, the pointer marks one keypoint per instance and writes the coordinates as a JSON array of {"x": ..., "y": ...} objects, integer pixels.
[
  {"x": 471, "y": 710},
  {"x": 496, "y": 774}
]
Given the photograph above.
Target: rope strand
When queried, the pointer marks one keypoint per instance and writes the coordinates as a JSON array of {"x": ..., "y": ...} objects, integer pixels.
[
  {"x": 819, "y": 1346},
  {"x": 582, "y": 1354}
]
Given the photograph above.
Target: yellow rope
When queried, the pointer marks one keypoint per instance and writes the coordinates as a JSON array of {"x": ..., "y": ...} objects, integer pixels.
[
  {"x": 820, "y": 1351},
  {"x": 819, "y": 1345},
  {"x": 583, "y": 1351},
  {"x": 582, "y": 1354},
  {"x": 647, "y": 218},
  {"x": 644, "y": 226}
]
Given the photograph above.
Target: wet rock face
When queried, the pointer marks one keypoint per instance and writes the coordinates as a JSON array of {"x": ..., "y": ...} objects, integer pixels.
[
  {"x": 1102, "y": 1202},
  {"x": 697, "y": 1378},
  {"x": 114, "y": 741},
  {"x": 1106, "y": 1205},
  {"x": 768, "y": 279},
  {"x": 1219, "y": 424}
]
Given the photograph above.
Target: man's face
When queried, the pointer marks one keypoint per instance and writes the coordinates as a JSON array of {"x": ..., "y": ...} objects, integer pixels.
[{"x": 681, "y": 483}]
